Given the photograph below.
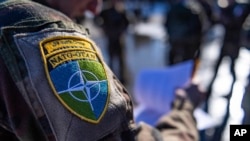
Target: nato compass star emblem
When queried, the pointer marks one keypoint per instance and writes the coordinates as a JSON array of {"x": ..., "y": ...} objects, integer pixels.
[
  {"x": 77, "y": 77},
  {"x": 83, "y": 86}
]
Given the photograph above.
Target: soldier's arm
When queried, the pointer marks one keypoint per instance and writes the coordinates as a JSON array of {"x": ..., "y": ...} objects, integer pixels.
[{"x": 179, "y": 124}]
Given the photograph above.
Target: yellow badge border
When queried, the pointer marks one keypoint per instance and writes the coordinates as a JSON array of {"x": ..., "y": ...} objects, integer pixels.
[{"x": 93, "y": 45}]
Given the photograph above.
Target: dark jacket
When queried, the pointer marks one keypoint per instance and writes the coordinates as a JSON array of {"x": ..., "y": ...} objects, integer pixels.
[{"x": 55, "y": 85}]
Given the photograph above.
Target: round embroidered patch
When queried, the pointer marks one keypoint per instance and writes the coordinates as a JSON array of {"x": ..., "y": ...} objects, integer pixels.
[{"x": 76, "y": 75}]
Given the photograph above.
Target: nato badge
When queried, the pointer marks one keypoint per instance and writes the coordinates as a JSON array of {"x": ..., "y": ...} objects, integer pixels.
[{"x": 76, "y": 75}]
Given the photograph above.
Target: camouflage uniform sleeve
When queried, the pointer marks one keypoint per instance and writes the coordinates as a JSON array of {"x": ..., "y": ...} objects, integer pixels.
[
  {"x": 178, "y": 125},
  {"x": 5, "y": 130},
  {"x": 16, "y": 119}
]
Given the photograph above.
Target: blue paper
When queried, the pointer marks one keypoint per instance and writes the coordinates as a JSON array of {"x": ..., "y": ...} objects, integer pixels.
[{"x": 154, "y": 90}]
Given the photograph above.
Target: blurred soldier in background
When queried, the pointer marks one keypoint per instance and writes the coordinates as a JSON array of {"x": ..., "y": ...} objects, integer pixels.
[
  {"x": 184, "y": 28},
  {"x": 114, "y": 22},
  {"x": 231, "y": 16}
]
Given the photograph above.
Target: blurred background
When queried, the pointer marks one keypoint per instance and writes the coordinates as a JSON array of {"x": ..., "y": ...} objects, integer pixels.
[{"x": 139, "y": 35}]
